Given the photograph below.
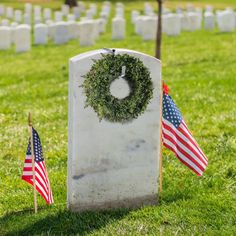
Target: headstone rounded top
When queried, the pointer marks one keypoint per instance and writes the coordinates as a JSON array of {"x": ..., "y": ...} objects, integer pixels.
[{"x": 23, "y": 26}]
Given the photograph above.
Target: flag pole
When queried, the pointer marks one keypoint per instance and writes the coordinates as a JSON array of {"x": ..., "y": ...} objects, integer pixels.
[
  {"x": 161, "y": 144},
  {"x": 33, "y": 161}
]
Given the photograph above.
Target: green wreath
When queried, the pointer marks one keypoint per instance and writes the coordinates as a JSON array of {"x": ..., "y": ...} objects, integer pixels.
[{"x": 97, "y": 88}]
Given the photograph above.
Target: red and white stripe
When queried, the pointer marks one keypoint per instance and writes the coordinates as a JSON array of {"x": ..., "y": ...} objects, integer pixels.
[
  {"x": 41, "y": 178},
  {"x": 182, "y": 143}
]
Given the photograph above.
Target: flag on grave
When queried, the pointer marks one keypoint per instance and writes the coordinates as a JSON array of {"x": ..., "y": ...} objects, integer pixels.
[
  {"x": 177, "y": 137},
  {"x": 41, "y": 178}
]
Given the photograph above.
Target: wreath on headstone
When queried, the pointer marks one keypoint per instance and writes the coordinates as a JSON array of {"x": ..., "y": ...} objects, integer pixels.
[{"x": 98, "y": 82}]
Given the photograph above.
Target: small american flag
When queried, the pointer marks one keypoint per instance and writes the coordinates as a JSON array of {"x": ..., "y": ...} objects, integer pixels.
[
  {"x": 41, "y": 178},
  {"x": 178, "y": 138}
]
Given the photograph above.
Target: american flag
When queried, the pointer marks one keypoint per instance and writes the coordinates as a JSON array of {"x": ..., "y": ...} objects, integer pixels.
[
  {"x": 41, "y": 178},
  {"x": 177, "y": 137}
]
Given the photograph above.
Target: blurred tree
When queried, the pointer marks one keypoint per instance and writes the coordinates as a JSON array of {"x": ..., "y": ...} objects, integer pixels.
[
  {"x": 159, "y": 30},
  {"x": 71, "y": 3}
]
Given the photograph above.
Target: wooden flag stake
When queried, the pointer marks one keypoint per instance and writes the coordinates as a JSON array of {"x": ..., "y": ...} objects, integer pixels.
[
  {"x": 161, "y": 146},
  {"x": 33, "y": 160}
]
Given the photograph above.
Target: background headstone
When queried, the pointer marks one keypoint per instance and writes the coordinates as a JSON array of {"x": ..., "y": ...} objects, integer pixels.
[
  {"x": 40, "y": 34},
  {"x": 86, "y": 35},
  {"x": 61, "y": 33},
  {"x": 5, "y": 37},
  {"x": 118, "y": 28},
  {"x": 22, "y": 38}
]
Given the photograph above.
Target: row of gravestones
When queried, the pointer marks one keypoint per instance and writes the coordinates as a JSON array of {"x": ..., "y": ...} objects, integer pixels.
[
  {"x": 27, "y": 16},
  {"x": 86, "y": 32},
  {"x": 174, "y": 23}
]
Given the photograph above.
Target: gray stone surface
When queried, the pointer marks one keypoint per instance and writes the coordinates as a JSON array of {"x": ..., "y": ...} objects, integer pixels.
[{"x": 112, "y": 165}]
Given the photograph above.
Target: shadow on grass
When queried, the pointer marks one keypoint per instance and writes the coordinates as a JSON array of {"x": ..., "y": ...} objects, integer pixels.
[{"x": 60, "y": 223}]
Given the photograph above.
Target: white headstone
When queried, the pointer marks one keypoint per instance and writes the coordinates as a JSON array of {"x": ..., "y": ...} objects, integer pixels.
[
  {"x": 120, "y": 12},
  {"x": 209, "y": 21},
  {"x": 194, "y": 21},
  {"x": 89, "y": 14},
  {"x": 235, "y": 19},
  {"x": 149, "y": 27},
  {"x": 13, "y": 29},
  {"x": 47, "y": 14},
  {"x": 27, "y": 19},
  {"x": 101, "y": 25},
  {"x": 5, "y": 22},
  {"x": 5, "y": 37},
  {"x": 22, "y": 38},
  {"x": 148, "y": 10},
  {"x": 81, "y": 6},
  {"x": 18, "y": 16},
  {"x": 209, "y": 8},
  {"x": 37, "y": 19},
  {"x": 9, "y": 12},
  {"x": 40, "y": 34},
  {"x": 2, "y": 10},
  {"x": 61, "y": 33},
  {"x": 134, "y": 15},
  {"x": 76, "y": 12},
  {"x": 112, "y": 165},
  {"x": 190, "y": 21},
  {"x": 58, "y": 16},
  {"x": 118, "y": 28},
  {"x": 37, "y": 10},
  {"x": 73, "y": 29},
  {"x": 172, "y": 24},
  {"x": 70, "y": 17},
  {"x": 86, "y": 35},
  {"x": 51, "y": 29},
  {"x": 28, "y": 8},
  {"x": 65, "y": 9},
  {"x": 138, "y": 25},
  {"x": 93, "y": 8},
  {"x": 225, "y": 21}
]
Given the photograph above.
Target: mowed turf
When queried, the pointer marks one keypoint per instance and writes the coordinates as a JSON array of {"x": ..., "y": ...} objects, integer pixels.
[{"x": 200, "y": 69}]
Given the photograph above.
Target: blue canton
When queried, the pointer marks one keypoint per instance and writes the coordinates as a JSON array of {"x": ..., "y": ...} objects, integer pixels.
[
  {"x": 38, "y": 152},
  {"x": 170, "y": 111}
]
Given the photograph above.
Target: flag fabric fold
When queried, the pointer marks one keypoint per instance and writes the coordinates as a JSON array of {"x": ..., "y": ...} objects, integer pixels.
[
  {"x": 41, "y": 178},
  {"x": 177, "y": 137}
]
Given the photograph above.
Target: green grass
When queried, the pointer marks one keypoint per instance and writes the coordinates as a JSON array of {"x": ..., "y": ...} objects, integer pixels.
[{"x": 199, "y": 68}]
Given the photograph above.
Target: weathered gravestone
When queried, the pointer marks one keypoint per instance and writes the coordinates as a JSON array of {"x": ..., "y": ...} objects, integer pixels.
[{"x": 113, "y": 164}]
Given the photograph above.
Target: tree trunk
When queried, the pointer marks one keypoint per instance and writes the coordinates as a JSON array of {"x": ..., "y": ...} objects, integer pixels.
[
  {"x": 71, "y": 3},
  {"x": 159, "y": 30}
]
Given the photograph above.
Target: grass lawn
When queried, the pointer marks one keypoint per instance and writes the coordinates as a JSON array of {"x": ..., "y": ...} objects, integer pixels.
[{"x": 200, "y": 69}]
